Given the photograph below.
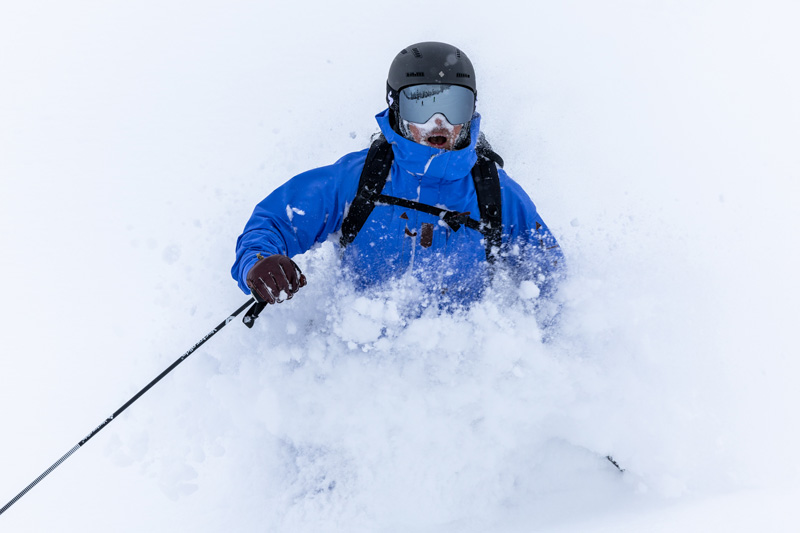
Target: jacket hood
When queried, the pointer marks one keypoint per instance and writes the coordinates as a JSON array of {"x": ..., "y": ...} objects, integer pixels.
[{"x": 429, "y": 162}]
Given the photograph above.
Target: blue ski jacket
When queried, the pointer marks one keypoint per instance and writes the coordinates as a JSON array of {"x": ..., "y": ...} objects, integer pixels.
[{"x": 311, "y": 206}]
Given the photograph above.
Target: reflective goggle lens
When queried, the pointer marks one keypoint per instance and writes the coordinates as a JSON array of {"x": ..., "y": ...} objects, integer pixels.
[{"x": 419, "y": 103}]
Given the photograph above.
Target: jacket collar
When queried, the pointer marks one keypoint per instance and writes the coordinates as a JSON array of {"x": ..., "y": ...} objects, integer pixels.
[{"x": 426, "y": 161}]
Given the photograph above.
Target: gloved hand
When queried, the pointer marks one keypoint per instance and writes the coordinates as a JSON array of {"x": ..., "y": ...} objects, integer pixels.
[{"x": 272, "y": 275}]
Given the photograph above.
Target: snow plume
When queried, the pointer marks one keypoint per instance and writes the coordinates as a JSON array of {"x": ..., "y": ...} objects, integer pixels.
[
  {"x": 347, "y": 411},
  {"x": 365, "y": 411}
]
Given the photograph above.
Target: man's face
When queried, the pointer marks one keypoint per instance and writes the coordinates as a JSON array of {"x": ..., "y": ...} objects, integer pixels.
[{"x": 437, "y": 132}]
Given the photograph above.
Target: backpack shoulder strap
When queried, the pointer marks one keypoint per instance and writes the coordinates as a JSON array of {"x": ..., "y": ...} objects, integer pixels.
[
  {"x": 483, "y": 148},
  {"x": 370, "y": 184},
  {"x": 487, "y": 188}
]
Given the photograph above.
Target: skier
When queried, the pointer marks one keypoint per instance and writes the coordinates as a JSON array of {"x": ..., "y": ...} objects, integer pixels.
[{"x": 426, "y": 199}]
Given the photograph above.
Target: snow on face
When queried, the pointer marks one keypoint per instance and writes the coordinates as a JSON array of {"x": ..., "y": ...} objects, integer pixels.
[{"x": 437, "y": 132}]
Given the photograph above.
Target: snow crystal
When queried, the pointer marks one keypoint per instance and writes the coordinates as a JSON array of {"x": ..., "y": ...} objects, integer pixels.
[
  {"x": 528, "y": 290},
  {"x": 292, "y": 211}
]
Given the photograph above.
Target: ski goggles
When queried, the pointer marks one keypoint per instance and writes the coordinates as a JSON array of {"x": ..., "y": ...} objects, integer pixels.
[{"x": 419, "y": 103}]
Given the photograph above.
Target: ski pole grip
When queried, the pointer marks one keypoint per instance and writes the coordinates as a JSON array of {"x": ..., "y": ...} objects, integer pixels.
[{"x": 252, "y": 314}]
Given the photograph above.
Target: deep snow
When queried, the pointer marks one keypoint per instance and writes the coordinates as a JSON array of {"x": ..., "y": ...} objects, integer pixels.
[{"x": 659, "y": 143}]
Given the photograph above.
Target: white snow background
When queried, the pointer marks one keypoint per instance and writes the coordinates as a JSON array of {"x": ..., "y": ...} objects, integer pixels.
[{"x": 659, "y": 141}]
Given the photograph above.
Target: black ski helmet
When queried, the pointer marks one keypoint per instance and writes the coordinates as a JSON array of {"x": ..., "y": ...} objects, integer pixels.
[{"x": 428, "y": 63}]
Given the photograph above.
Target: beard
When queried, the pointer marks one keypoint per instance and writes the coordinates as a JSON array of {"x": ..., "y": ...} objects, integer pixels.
[{"x": 461, "y": 142}]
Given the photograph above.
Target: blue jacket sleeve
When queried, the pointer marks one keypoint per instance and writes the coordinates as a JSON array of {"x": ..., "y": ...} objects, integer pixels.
[
  {"x": 530, "y": 245},
  {"x": 301, "y": 212}
]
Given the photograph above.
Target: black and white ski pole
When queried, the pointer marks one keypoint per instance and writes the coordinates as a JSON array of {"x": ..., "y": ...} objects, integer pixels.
[{"x": 127, "y": 404}]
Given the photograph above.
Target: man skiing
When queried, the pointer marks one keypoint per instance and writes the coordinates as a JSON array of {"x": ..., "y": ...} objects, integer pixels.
[{"x": 426, "y": 200}]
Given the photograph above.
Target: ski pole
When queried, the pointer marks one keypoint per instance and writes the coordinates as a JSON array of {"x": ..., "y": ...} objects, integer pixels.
[{"x": 127, "y": 404}]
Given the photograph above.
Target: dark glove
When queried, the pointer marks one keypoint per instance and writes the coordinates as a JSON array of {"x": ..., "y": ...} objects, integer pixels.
[{"x": 272, "y": 275}]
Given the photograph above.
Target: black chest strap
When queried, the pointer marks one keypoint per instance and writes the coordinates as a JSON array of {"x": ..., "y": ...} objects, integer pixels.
[{"x": 376, "y": 172}]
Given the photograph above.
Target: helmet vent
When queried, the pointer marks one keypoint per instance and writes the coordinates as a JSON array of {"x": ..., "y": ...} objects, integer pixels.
[
  {"x": 462, "y": 75},
  {"x": 416, "y": 52},
  {"x": 415, "y": 74},
  {"x": 403, "y": 51},
  {"x": 458, "y": 54}
]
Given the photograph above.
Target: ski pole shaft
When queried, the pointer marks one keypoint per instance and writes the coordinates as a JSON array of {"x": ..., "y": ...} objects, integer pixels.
[{"x": 127, "y": 404}]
